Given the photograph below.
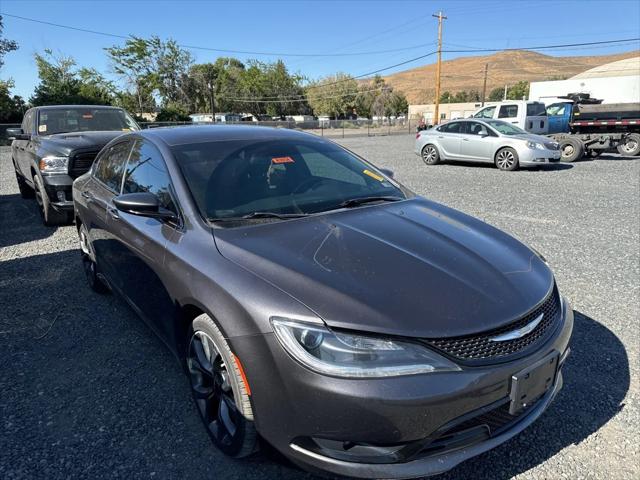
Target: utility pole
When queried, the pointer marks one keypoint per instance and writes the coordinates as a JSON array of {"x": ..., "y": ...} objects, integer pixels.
[
  {"x": 436, "y": 114},
  {"x": 505, "y": 92},
  {"x": 484, "y": 85},
  {"x": 213, "y": 113}
]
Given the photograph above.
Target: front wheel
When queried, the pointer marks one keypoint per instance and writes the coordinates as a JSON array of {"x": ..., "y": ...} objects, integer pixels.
[
  {"x": 50, "y": 216},
  {"x": 219, "y": 390},
  {"x": 507, "y": 159},
  {"x": 572, "y": 149},
  {"x": 631, "y": 145}
]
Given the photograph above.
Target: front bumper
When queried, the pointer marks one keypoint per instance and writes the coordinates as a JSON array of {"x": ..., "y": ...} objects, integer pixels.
[
  {"x": 59, "y": 191},
  {"x": 531, "y": 156},
  {"x": 293, "y": 406}
]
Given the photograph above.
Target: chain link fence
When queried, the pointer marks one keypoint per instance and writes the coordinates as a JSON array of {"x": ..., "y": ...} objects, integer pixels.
[{"x": 323, "y": 128}]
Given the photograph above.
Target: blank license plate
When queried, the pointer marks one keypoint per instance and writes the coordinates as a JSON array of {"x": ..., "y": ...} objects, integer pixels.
[{"x": 530, "y": 384}]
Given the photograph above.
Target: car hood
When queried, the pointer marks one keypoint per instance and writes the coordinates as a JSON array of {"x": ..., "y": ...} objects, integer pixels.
[
  {"x": 413, "y": 268},
  {"x": 532, "y": 137},
  {"x": 65, "y": 143}
]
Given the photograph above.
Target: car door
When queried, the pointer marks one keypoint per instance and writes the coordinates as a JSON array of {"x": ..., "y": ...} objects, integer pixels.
[
  {"x": 104, "y": 184},
  {"x": 509, "y": 113},
  {"x": 23, "y": 148},
  {"x": 477, "y": 142},
  {"x": 449, "y": 137},
  {"x": 558, "y": 117},
  {"x": 140, "y": 242}
]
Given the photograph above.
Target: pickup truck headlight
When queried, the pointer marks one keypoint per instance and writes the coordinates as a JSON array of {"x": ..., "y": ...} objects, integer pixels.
[
  {"x": 353, "y": 355},
  {"x": 535, "y": 145},
  {"x": 53, "y": 164}
]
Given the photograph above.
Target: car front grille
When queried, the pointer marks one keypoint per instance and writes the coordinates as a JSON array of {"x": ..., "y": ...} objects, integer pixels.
[
  {"x": 481, "y": 348},
  {"x": 552, "y": 145},
  {"x": 80, "y": 162}
]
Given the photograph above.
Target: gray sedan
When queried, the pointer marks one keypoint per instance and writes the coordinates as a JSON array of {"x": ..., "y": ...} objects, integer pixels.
[{"x": 495, "y": 141}]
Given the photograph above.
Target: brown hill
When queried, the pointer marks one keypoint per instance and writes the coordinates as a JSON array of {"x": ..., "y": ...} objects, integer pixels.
[{"x": 466, "y": 73}]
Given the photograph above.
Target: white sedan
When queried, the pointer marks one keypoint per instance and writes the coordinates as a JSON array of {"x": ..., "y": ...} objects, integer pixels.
[{"x": 494, "y": 141}]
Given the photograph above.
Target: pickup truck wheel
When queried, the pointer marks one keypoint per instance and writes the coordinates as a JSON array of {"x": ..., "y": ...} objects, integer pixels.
[
  {"x": 430, "y": 155},
  {"x": 25, "y": 190},
  {"x": 571, "y": 149},
  {"x": 507, "y": 159},
  {"x": 220, "y": 390},
  {"x": 50, "y": 216},
  {"x": 631, "y": 145},
  {"x": 89, "y": 265}
]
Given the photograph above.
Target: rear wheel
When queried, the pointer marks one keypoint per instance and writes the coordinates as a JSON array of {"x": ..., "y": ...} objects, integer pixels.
[
  {"x": 50, "y": 216},
  {"x": 507, "y": 159},
  {"x": 219, "y": 390},
  {"x": 572, "y": 149},
  {"x": 430, "y": 155},
  {"x": 631, "y": 145},
  {"x": 88, "y": 264}
]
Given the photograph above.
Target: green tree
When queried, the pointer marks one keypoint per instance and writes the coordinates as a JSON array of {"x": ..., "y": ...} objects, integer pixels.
[
  {"x": 334, "y": 95},
  {"x": 519, "y": 91},
  {"x": 496, "y": 94},
  {"x": 6, "y": 45},
  {"x": 12, "y": 107}
]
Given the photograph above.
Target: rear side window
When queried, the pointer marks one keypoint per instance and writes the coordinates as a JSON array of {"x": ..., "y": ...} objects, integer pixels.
[
  {"x": 536, "y": 110},
  {"x": 485, "y": 113},
  {"x": 111, "y": 165},
  {"x": 147, "y": 172},
  {"x": 508, "y": 111},
  {"x": 452, "y": 127}
]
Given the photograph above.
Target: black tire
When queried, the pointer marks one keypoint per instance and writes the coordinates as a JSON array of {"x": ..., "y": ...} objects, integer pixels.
[
  {"x": 430, "y": 154},
  {"x": 88, "y": 263},
  {"x": 25, "y": 190},
  {"x": 50, "y": 216},
  {"x": 572, "y": 149},
  {"x": 631, "y": 145},
  {"x": 506, "y": 159},
  {"x": 219, "y": 390}
]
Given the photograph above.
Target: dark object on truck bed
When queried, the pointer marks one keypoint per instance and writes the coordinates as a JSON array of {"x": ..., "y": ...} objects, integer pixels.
[{"x": 608, "y": 111}]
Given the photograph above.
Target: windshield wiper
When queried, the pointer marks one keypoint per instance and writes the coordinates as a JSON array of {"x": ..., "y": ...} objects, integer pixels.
[
  {"x": 252, "y": 215},
  {"x": 354, "y": 202}
]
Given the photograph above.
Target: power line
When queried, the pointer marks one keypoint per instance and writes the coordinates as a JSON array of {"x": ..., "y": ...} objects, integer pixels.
[
  {"x": 294, "y": 100},
  {"x": 544, "y": 47},
  {"x": 221, "y": 50}
]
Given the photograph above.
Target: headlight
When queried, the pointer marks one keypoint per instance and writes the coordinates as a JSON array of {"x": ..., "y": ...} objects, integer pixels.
[
  {"x": 353, "y": 355},
  {"x": 535, "y": 145},
  {"x": 51, "y": 164}
]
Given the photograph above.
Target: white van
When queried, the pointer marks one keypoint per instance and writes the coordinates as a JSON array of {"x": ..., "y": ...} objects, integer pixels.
[{"x": 528, "y": 115}]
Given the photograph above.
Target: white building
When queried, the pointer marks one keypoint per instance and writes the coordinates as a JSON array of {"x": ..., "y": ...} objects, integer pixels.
[
  {"x": 616, "y": 82},
  {"x": 447, "y": 111}
]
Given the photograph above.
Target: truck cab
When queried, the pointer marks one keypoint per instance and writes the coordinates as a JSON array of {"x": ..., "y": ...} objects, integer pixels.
[
  {"x": 528, "y": 115},
  {"x": 559, "y": 116}
]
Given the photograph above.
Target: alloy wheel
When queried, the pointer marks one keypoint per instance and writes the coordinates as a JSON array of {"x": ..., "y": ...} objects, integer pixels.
[
  {"x": 506, "y": 159},
  {"x": 211, "y": 386},
  {"x": 429, "y": 154}
]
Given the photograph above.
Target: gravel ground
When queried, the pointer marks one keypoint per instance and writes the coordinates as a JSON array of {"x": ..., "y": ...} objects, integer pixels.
[{"x": 86, "y": 390}]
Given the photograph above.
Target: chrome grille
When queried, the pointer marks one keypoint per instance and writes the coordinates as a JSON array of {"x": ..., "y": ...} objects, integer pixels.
[
  {"x": 80, "y": 162},
  {"x": 481, "y": 347}
]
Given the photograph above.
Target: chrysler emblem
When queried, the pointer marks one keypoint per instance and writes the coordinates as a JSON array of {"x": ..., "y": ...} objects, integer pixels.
[{"x": 518, "y": 332}]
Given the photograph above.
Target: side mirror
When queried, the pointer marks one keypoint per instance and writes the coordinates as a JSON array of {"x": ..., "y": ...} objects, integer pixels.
[
  {"x": 388, "y": 172},
  {"x": 143, "y": 204},
  {"x": 17, "y": 134}
]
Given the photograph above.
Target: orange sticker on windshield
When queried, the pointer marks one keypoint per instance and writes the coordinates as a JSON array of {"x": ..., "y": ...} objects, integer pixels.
[
  {"x": 373, "y": 175},
  {"x": 277, "y": 160}
]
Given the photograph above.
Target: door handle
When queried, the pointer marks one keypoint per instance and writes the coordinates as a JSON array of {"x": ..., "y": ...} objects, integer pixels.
[
  {"x": 440, "y": 136},
  {"x": 113, "y": 212},
  {"x": 465, "y": 139},
  {"x": 86, "y": 194}
]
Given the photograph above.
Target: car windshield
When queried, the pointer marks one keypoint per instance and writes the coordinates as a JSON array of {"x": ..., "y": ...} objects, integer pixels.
[
  {"x": 64, "y": 120},
  {"x": 505, "y": 128},
  {"x": 267, "y": 178}
]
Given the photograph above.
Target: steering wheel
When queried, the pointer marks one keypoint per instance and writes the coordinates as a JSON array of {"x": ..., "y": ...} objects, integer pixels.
[{"x": 304, "y": 186}]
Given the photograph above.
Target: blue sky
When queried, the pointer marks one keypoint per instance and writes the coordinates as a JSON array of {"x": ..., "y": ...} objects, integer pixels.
[{"x": 312, "y": 27}]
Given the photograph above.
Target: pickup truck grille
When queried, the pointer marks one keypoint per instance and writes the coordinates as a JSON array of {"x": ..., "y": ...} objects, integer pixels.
[{"x": 80, "y": 162}]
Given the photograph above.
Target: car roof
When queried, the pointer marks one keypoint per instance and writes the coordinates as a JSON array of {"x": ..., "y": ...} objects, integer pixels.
[
  {"x": 62, "y": 107},
  {"x": 216, "y": 133}
]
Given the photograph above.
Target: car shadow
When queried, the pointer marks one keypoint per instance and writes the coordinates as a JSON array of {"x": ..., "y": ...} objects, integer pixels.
[
  {"x": 89, "y": 391},
  {"x": 596, "y": 380},
  {"x": 21, "y": 221},
  {"x": 614, "y": 157},
  {"x": 551, "y": 167}
]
